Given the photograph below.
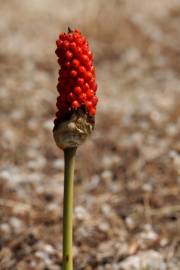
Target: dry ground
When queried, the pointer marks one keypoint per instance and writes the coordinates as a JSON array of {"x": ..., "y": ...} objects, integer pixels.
[{"x": 127, "y": 207}]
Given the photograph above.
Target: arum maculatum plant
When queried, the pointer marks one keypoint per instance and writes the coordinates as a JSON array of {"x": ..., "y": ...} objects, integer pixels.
[{"x": 75, "y": 118}]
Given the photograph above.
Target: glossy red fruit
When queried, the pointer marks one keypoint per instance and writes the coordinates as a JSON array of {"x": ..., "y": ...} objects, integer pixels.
[
  {"x": 70, "y": 97},
  {"x": 89, "y": 104},
  {"x": 66, "y": 44},
  {"x": 85, "y": 87},
  {"x": 90, "y": 93},
  {"x": 77, "y": 78},
  {"x": 77, "y": 90},
  {"x": 59, "y": 43},
  {"x": 94, "y": 100},
  {"x": 82, "y": 70},
  {"x": 92, "y": 111},
  {"x": 78, "y": 51},
  {"x": 92, "y": 83},
  {"x": 75, "y": 63},
  {"x": 88, "y": 75},
  {"x": 72, "y": 45},
  {"x": 69, "y": 55},
  {"x": 62, "y": 36},
  {"x": 73, "y": 73},
  {"x": 82, "y": 98},
  {"x": 75, "y": 104},
  {"x": 89, "y": 53},
  {"x": 67, "y": 64},
  {"x": 84, "y": 58},
  {"x": 70, "y": 37},
  {"x": 58, "y": 52},
  {"x": 80, "y": 81}
]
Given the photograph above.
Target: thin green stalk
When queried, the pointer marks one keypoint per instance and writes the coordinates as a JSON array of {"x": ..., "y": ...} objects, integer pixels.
[{"x": 69, "y": 159}]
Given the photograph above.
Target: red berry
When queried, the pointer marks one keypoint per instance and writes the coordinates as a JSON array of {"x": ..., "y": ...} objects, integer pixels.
[
  {"x": 72, "y": 46},
  {"x": 90, "y": 93},
  {"x": 73, "y": 73},
  {"x": 94, "y": 87},
  {"x": 77, "y": 90},
  {"x": 69, "y": 55},
  {"x": 80, "y": 81},
  {"x": 76, "y": 35},
  {"x": 83, "y": 39},
  {"x": 75, "y": 104},
  {"x": 77, "y": 31},
  {"x": 70, "y": 37},
  {"x": 92, "y": 83},
  {"x": 80, "y": 41},
  {"x": 59, "y": 43},
  {"x": 84, "y": 58},
  {"x": 58, "y": 52},
  {"x": 85, "y": 87},
  {"x": 82, "y": 70},
  {"x": 78, "y": 51},
  {"x": 82, "y": 97},
  {"x": 75, "y": 63},
  {"x": 89, "y": 54},
  {"x": 92, "y": 111},
  {"x": 70, "y": 97},
  {"x": 94, "y": 100},
  {"x": 88, "y": 75},
  {"x": 85, "y": 49},
  {"x": 62, "y": 36},
  {"x": 89, "y": 104},
  {"x": 66, "y": 44},
  {"x": 92, "y": 70},
  {"x": 63, "y": 73},
  {"x": 67, "y": 64}
]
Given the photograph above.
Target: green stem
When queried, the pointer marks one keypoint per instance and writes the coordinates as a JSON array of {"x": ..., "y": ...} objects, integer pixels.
[{"x": 69, "y": 159}]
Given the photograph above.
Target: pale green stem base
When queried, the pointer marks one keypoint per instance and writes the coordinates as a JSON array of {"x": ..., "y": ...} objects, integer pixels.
[{"x": 69, "y": 159}]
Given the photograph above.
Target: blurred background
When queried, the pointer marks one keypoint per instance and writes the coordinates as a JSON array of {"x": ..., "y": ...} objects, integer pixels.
[{"x": 127, "y": 206}]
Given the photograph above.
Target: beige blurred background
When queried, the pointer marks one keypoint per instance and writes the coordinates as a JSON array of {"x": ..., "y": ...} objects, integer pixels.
[{"x": 127, "y": 207}]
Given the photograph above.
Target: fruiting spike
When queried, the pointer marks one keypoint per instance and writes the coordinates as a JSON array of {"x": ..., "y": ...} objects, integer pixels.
[{"x": 77, "y": 77}]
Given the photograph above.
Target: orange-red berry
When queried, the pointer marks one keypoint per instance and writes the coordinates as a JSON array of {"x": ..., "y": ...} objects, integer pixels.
[
  {"x": 90, "y": 93},
  {"x": 94, "y": 100},
  {"x": 77, "y": 90},
  {"x": 84, "y": 58},
  {"x": 70, "y": 37},
  {"x": 62, "y": 36},
  {"x": 69, "y": 55},
  {"x": 89, "y": 104},
  {"x": 80, "y": 81},
  {"x": 73, "y": 73},
  {"x": 82, "y": 70},
  {"x": 82, "y": 98},
  {"x": 88, "y": 75},
  {"x": 92, "y": 111},
  {"x": 67, "y": 64},
  {"x": 75, "y": 63},
  {"x": 70, "y": 97},
  {"x": 66, "y": 44},
  {"x": 85, "y": 87},
  {"x": 75, "y": 104},
  {"x": 72, "y": 46}
]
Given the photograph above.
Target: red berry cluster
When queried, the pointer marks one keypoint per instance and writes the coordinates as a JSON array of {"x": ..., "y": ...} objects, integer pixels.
[{"x": 77, "y": 80}]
